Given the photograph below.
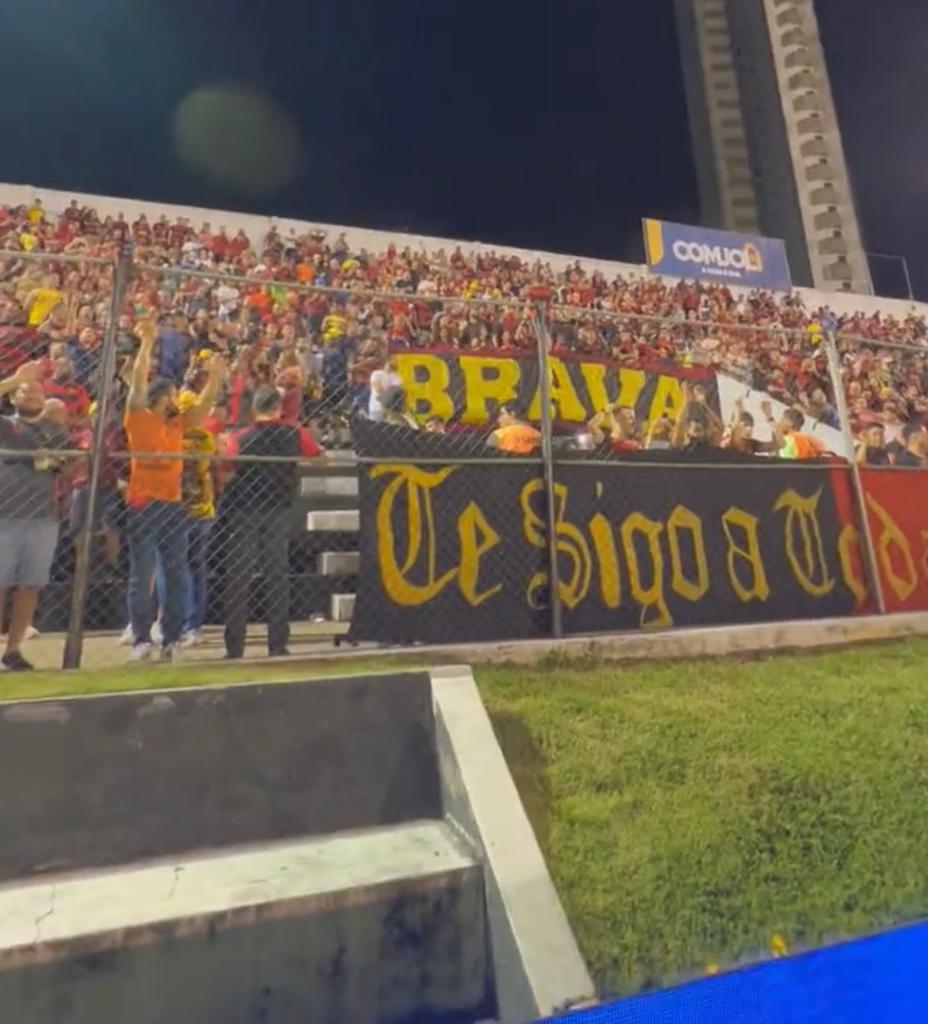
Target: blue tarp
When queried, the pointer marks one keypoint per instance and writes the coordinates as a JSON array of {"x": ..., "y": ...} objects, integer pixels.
[{"x": 878, "y": 980}]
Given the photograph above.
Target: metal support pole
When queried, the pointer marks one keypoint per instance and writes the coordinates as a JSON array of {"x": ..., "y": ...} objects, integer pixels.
[
  {"x": 547, "y": 457},
  {"x": 857, "y": 485},
  {"x": 74, "y": 642},
  {"x": 908, "y": 279}
]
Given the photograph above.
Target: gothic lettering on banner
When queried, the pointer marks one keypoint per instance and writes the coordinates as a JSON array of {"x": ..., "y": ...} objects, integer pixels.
[{"x": 457, "y": 553}]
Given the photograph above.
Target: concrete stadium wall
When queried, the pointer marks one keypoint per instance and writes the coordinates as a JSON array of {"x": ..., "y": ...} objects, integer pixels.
[
  {"x": 88, "y": 782},
  {"x": 408, "y": 888}
]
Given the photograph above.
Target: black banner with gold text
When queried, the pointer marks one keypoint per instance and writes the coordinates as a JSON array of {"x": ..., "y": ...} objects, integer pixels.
[{"x": 457, "y": 553}]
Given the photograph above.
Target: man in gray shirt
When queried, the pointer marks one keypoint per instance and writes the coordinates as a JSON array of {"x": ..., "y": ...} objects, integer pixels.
[{"x": 28, "y": 516}]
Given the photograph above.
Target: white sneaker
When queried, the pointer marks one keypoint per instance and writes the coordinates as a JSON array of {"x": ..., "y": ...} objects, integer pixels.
[
  {"x": 142, "y": 652},
  {"x": 157, "y": 636},
  {"x": 172, "y": 653},
  {"x": 127, "y": 637},
  {"x": 191, "y": 638},
  {"x": 31, "y": 633}
]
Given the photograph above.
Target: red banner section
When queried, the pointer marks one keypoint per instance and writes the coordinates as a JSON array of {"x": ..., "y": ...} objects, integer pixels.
[
  {"x": 897, "y": 509},
  {"x": 851, "y": 550}
]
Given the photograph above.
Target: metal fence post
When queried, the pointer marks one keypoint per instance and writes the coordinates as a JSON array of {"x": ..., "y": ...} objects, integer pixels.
[
  {"x": 857, "y": 484},
  {"x": 74, "y": 642},
  {"x": 547, "y": 456}
]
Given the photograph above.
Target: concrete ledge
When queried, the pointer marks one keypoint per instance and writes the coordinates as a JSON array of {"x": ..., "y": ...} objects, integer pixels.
[
  {"x": 121, "y": 906},
  {"x": 707, "y": 641},
  {"x": 537, "y": 965},
  {"x": 363, "y": 928},
  {"x": 701, "y": 642}
]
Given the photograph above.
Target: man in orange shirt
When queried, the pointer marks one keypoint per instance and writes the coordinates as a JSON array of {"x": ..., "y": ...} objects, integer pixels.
[
  {"x": 792, "y": 442},
  {"x": 513, "y": 434},
  {"x": 157, "y": 525}
]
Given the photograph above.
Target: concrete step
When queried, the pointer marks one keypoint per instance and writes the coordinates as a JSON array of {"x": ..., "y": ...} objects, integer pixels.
[
  {"x": 342, "y": 607},
  {"x": 334, "y": 521},
  {"x": 361, "y": 927},
  {"x": 339, "y": 563}
]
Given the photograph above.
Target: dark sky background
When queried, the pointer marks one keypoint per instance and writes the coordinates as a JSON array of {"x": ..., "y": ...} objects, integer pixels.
[{"x": 554, "y": 124}]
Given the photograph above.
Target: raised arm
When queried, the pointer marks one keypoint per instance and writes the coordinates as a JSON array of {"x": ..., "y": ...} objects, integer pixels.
[
  {"x": 735, "y": 428},
  {"x": 714, "y": 421},
  {"x": 678, "y": 435},
  {"x": 218, "y": 369},
  {"x": 777, "y": 439},
  {"x": 601, "y": 423},
  {"x": 138, "y": 380},
  {"x": 652, "y": 427},
  {"x": 737, "y": 413}
]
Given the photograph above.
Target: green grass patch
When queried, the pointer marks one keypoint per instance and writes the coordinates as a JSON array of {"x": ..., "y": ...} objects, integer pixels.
[{"x": 692, "y": 810}]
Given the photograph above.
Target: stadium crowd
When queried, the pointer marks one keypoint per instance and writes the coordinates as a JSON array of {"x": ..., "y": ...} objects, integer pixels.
[
  {"x": 322, "y": 347},
  {"x": 215, "y": 367}
]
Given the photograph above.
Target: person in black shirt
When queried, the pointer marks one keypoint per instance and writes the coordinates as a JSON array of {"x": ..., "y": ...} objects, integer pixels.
[
  {"x": 692, "y": 432},
  {"x": 871, "y": 447},
  {"x": 257, "y": 504},
  {"x": 741, "y": 436},
  {"x": 915, "y": 453}
]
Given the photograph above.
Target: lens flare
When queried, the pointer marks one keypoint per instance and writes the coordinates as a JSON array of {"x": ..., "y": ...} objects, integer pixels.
[{"x": 239, "y": 139}]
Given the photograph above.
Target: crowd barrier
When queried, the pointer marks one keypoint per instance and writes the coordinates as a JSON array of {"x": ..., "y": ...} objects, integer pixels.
[{"x": 432, "y": 535}]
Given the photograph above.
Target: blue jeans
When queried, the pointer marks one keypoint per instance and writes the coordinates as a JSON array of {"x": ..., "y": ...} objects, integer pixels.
[
  {"x": 157, "y": 534},
  {"x": 196, "y": 574}
]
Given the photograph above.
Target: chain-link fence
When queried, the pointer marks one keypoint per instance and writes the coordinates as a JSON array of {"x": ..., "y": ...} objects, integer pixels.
[{"x": 226, "y": 491}]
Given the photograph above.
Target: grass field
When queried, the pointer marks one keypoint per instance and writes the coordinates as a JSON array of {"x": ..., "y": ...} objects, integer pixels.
[{"x": 691, "y": 811}]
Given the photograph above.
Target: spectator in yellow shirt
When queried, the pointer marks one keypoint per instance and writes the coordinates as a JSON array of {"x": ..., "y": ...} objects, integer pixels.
[
  {"x": 42, "y": 300},
  {"x": 335, "y": 324}
]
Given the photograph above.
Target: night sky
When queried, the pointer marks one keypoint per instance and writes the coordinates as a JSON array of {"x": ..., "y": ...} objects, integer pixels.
[{"x": 554, "y": 124}]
